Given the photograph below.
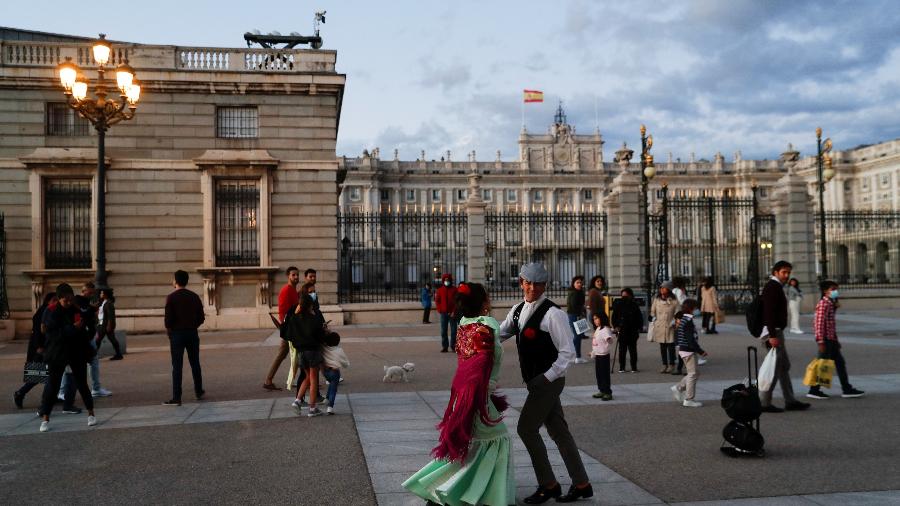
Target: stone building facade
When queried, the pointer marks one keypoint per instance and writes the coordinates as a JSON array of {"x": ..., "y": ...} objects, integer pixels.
[{"x": 228, "y": 171}]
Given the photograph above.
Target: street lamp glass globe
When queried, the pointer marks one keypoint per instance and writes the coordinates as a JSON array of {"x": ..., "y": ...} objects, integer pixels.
[
  {"x": 133, "y": 92},
  {"x": 828, "y": 174},
  {"x": 67, "y": 73},
  {"x": 124, "y": 77},
  {"x": 101, "y": 50},
  {"x": 79, "y": 90},
  {"x": 650, "y": 171}
]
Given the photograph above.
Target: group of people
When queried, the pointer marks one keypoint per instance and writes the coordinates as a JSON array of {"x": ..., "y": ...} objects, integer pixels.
[
  {"x": 312, "y": 347},
  {"x": 67, "y": 331}
]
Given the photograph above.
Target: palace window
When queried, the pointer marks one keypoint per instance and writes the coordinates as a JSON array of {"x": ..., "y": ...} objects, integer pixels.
[
  {"x": 237, "y": 122},
  {"x": 487, "y": 194},
  {"x": 885, "y": 180},
  {"x": 236, "y": 225},
  {"x": 62, "y": 120},
  {"x": 67, "y": 218},
  {"x": 385, "y": 195},
  {"x": 511, "y": 196},
  {"x": 355, "y": 194},
  {"x": 461, "y": 195},
  {"x": 538, "y": 195},
  {"x": 436, "y": 195},
  {"x": 410, "y": 195},
  {"x": 588, "y": 195}
]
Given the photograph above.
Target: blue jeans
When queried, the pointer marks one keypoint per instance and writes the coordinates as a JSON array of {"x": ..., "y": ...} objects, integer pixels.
[
  {"x": 334, "y": 377},
  {"x": 448, "y": 321},
  {"x": 179, "y": 342},
  {"x": 576, "y": 338},
  {"x": 95, "y": 375}
]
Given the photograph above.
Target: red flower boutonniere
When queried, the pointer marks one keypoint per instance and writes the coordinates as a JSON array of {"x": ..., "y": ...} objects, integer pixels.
[{"x": 529, "y": 333}]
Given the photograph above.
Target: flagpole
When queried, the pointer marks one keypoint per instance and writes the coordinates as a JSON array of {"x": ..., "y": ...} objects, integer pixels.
[{"x": 523, "y": 114}]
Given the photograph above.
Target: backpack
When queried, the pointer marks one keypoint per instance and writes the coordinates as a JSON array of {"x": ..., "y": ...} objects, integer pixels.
[
  {"x": 754, "y": 315},
  {"x": 743, "y": 437},
  {"x": 741, "y": 402}
]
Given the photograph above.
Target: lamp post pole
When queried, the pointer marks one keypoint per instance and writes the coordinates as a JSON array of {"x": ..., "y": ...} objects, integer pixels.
[
  {"x": 824, "y": 173},
  {"x": 102, "y": 113},
  {"x": 647, "y": 172}
]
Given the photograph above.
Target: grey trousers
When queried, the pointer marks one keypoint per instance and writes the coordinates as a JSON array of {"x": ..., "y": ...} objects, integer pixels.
[
  {"x": 542, "y": 407},
  {"x": 782, "y": 375},
  {"x": 688, "y": 384}
]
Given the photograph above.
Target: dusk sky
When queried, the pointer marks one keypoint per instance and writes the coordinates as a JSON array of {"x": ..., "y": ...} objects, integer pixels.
[{"x": 704, "y": 76}]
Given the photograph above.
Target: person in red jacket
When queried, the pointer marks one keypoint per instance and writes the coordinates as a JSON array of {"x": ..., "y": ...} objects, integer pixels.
[
  {"x": 287, "y": 298},
  {"x": 445, "y": 301}
]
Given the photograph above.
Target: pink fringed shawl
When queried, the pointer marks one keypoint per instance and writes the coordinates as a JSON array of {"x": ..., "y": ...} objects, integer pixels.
[{"x": 468, "y": 393}]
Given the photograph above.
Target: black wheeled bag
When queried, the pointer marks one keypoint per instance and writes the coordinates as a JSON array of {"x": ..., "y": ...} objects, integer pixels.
[
  {"x": 741, "y": 402},
  {"x": 743, "y": 437}
]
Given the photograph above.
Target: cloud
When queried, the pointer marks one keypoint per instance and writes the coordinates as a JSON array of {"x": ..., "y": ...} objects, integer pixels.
[{"x": 445, "y": 77}]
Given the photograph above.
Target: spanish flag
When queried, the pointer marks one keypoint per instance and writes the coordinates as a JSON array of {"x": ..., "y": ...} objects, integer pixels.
[{"x": 533, "y": 96}]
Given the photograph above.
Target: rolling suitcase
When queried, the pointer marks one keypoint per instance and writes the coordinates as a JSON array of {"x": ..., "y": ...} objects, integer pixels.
[{"x": 741, "y": 404}]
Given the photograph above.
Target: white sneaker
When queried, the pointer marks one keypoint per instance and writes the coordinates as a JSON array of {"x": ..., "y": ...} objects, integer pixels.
[
  {"x": 297, "y": 407},
  {"x": 689, "y": 403},
  {"x": 92, "y": 420},
  {"x": 796, "y": 331},
  {"x": 330, "y": 410},
  {"x": 702, "y": 361},
  {"x": 679, "y": 397},
  {"x": 102, "y": 392},
  {"x": 61, "y": 397},
  {"x": 45, "y": 426},
  {"x": 314, "y": 412},
  {"x": 581, "y": 361}
]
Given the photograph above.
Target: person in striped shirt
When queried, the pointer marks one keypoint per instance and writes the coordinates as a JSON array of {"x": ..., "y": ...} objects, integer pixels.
[{"x": 826, "y": 338}]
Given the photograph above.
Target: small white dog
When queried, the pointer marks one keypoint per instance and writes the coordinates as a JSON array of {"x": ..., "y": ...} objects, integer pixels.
[{"x": 396, "y": 373}]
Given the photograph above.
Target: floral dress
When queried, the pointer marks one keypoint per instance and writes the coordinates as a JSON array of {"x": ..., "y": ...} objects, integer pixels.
[{"x": 473, "y": 459}]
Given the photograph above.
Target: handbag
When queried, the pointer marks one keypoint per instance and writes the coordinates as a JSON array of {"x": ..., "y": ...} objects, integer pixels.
[
  {"x": 36, "y": 372},
  {"x": 720, "y": 316}
]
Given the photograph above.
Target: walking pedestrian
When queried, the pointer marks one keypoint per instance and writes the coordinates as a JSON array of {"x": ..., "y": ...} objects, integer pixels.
[
  {"x": 106, "y": 322},
  {"x": 544, "y": 343},
  {"x": 35, "y": 351},
  {"x": 473, "y": 458},
  {"x": 628, "y": 321},
  {"x": 575, "y": 311},
  {"x": 662, "y": 314},
  {"x": 603, "y": 336},
  {"x": 89, "y": 314},
  {"x": 774, "y": 316},
  {"x": 795, "y": 296},
  {"x": 67, "y": 345},
  {"x": 709, "y": 305},
  {"x": 335, "y": 360},
  {"x": 444, "y": 299},
  {"x": 689, "y": 349},
  {"x": 287, "y": 298},
  {"x": 307, "y": 333},
  {"x": 425, "y": 297},
  {"x": 183, "y": 316},
  {"x": 825, "y": 328}
]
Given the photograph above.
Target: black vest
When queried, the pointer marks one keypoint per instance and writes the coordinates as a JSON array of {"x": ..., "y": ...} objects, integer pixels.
[{"x": 536, "y": 349}]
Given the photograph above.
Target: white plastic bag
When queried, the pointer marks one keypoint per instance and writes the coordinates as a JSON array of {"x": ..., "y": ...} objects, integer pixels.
[
  {"x": 650, "y": 331},
  {"x": 767, "y": 371}
]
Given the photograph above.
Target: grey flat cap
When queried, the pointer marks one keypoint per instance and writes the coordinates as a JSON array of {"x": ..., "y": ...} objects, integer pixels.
[
  {"x": 534, "y": 272},
  {"x": 667, "y": 284}
]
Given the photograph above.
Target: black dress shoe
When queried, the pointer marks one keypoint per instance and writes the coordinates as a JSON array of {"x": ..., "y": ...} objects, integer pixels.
[
  {"x": 576, "y": 493},
  {"x": 772, "y": 409},
  {"x": 543, "y": 494},
  {"x": 796, "y": 406}
]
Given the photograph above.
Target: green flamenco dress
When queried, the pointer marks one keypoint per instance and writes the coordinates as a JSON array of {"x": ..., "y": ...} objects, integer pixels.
[{"x": 473, "y": 459}]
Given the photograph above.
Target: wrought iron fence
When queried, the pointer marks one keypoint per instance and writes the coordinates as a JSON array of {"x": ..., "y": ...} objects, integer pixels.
[
  {"x": 863, "y": 248},
  {"x": 4, "y": 297},
  {"x": 568, "y": 244},
  {"x": 723, "y": 238},
  {"x": 388, "y": 257},
  {"x": 68, "y": 233}
]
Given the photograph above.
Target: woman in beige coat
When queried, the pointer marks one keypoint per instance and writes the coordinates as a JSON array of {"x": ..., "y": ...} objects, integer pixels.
[
  {"x": 709, "y": 305},
  {"x": 662, "y": 314}
]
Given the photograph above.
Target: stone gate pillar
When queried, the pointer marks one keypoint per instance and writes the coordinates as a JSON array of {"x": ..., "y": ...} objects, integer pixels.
[
  {"x": 476, "y": 241},
  {"x": 623, "y": 246},
  {"x": 795, "y": 239}
]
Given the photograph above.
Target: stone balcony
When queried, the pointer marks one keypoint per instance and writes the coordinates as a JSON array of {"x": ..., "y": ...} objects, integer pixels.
[{"x": 152, "y": 57}]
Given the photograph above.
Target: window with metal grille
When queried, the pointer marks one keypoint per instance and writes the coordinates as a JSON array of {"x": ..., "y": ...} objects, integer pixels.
[
  {"x": 63, "y": 121},
  {"x": 237, "y": 229},
  {"x": 67, "y": 224},
  {"x": 237, "y": 122}
]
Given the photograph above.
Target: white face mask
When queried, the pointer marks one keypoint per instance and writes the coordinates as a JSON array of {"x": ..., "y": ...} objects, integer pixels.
[
  {"x": 696, "y": 312},
  {"x": 446, "y": 283}
]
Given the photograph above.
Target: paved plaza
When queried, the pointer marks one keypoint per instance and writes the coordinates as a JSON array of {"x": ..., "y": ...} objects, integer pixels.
[{"x": 245, "y": 445}]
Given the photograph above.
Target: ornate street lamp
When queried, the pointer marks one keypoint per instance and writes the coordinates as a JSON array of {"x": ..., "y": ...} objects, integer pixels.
[
  {"x": 102, "y": 113},
  {"x": 648, "y": 170},
  {"x": 824, "y": 174}
]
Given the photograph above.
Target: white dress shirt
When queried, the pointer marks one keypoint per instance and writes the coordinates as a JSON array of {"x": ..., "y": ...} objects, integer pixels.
[{"x": 556, "y": 322}]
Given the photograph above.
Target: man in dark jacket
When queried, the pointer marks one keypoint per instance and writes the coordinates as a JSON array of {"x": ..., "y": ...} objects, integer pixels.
[
  {"x": 775, "y": 310},
  {"x": 67, "y": 344},
  {"x": 184, "y": 315},
  {"x": 628, "y": 321}
]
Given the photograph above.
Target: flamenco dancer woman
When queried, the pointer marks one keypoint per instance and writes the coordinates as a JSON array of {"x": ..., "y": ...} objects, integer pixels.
[{"x": 473, "y": 459}]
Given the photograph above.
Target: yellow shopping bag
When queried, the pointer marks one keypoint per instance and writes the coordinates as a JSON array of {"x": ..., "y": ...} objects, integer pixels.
[{"x": 819, "y": 373}]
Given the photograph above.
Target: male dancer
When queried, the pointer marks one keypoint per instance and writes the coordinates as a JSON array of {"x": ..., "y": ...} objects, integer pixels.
[{"x": 544, "y": 341}]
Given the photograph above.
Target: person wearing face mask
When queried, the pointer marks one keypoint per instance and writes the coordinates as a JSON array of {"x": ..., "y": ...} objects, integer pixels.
[
  {"x": 689, "y": 350},
  {"x": 827, "y": 340},
  {"x": 444, "y": 300}
]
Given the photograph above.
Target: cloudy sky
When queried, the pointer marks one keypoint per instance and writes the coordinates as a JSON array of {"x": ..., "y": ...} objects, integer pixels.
[{"x": 703, "y": 75}]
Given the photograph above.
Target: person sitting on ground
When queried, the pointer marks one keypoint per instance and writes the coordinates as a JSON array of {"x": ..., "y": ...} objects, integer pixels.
[
  {"x": 827, "y": 341},
  {"x": 689, "y": 349},
  {"x": 603, "y": 336}
]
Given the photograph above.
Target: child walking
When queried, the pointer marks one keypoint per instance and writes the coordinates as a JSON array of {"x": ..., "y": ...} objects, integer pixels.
[
  {"x": 603, "y": 336},
  {"x": 335, "y": 360},
  {"x": 689, "y": 350},
  {"x": 827, "y": 341}
]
